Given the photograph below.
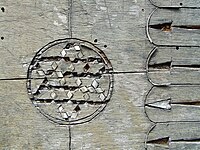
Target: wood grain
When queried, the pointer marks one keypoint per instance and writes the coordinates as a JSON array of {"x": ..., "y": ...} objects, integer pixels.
[
  {"x": 173, "y": 104},
  {"x": 178, "y": 65},
  {"x": 176, "y": 3},
  {"x": 118, "y": 29},
  {"x": 174, "y": 27},
  {"x": 164, "y": 136}
]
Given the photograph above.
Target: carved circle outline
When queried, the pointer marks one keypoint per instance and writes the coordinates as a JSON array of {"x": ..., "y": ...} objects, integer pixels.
[{"x": 106, "y": 62}]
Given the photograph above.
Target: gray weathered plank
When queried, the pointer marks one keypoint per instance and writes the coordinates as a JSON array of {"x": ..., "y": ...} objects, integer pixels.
[
  {"x": 173, "y": 136},
  {"x": 29, "y": 25}
]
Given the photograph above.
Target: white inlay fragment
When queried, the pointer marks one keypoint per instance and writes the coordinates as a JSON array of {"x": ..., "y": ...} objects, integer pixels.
[
  {"x": 78, "y": 82},
  {"x": 99, "y": 90},
  {"x": 54, "y": 65},
  {"x": 84, "y": 89},
  {"x": 102, "y": 96},
  {"x": 95, "y": 84},
  {"x": 86, "y": 96},
  {"x": 40, "y": 72},
  {"x": 77, "y": 48},
  {"x": 59, "y": 74},
  {"x": 71, "y": 67},
  {"x": 63, "y": 53},
  {"x": 53, "y": 95},
  {"x": 69, "y": 94}
]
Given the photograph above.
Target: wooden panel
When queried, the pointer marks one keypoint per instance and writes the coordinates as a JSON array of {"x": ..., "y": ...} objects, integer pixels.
[
  {"x": 116, "y": 27},
  {"x": 180, "y": 28},
  {"x": 28, "y": 26},
  {"x": 174, "y": 136},
  {"x": 176, "y": 3},
  {"x": 165, "y": 104},
  {"x": 179, "y": 65}
]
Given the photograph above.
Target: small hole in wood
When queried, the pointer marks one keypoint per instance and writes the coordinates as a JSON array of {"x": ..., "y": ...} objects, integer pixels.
[
  {"x": 177, "y": 48},
  {"x": 2, "y": 9},
  {"x": 95, "y": 40},
  {"x": 181, "y": 4},
  {"x": 143, "y": 10},
  {"x": 105, "y": 46},
  {"x": 2, "y": 38}
]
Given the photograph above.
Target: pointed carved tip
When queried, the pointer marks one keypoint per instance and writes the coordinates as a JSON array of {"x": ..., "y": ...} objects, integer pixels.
[
  {"x": 161, "y": 141},
  {"x": 162, "y": 104}
]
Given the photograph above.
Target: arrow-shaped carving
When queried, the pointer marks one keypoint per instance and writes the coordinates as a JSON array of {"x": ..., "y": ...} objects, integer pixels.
[
  {"x": 167, "y": 104},
  {"x": 167, "y": 141}
]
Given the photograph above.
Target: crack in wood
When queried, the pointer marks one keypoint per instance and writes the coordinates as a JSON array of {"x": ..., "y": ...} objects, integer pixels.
[
  {"x": 169, "y": 65},
  {"x": 67, "y": 59},
  {"x": 49, "y": 87},
  {"x": 70, "y": 17},
  {"x": 163, "y": 26},
  {"x": 62, "y": 101},
  {"x": 167, "y": 141},
  {"x": 167, "y": 26},
  {"x": 161, "y": 141}
]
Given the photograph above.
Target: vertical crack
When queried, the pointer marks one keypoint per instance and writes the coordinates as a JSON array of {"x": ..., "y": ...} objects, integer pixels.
[
  {"x": 70, "y": 138},
  {"x": 70, "y": 18},
  {"x": 107, "y": 11}
]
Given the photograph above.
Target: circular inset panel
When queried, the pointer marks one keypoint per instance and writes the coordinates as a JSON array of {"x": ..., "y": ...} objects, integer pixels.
[{"x": 70, "y": 81}]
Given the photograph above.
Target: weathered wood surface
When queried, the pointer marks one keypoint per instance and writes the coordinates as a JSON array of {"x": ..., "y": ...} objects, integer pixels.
[
  {"x": 47, "y": 21},
  {"x": 176, "y": 3},
  {"x": 167, "y": 104},
  {"x": 174, "y": 65},
  {"x": 174, "y": 27},
  {"x": 122, "y": 125},
  {"x": 164, "y": 136},
  {"x": 26, "y": 27},
  {"x": 117, "y": 28},
  {"x": 22, "y": 126}
]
